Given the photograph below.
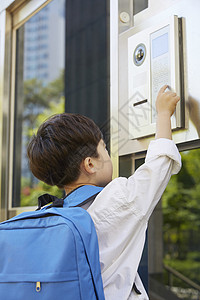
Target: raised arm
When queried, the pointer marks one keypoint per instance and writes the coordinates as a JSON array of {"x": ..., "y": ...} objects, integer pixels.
[
  {"x": 122, "y": 210},
  {"x": 165, "y": 106}
]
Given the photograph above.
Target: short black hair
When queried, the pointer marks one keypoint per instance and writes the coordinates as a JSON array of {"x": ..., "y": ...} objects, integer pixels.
[{"x": 62, "y": 142}]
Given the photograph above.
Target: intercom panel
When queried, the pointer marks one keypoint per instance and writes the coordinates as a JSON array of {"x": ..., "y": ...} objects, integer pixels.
[{"x": 153, "y": 61}]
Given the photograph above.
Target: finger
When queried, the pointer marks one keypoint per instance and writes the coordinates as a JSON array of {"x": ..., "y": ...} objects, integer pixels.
[
  {"x": 172, "y": 94},
  {"x": 163, "y": 88},
  {"x": 177, "y": 98}
]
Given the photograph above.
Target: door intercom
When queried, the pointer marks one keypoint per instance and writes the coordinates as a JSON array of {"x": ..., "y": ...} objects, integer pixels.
[{"x": 153, "y": 61}]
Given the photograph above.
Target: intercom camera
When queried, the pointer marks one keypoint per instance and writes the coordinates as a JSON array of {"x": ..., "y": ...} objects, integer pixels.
[{"x": 153, "y": 61}]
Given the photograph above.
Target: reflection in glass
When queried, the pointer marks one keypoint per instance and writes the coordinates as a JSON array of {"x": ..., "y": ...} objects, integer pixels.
[
  {"x": 39, "y": 90},
  {"x": 181, "y": 233}
]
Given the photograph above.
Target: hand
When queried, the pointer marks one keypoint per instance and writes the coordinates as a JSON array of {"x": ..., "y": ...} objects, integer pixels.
[
  {"x": 166, "y": 101},
  {"x": 165, "y": 105}
]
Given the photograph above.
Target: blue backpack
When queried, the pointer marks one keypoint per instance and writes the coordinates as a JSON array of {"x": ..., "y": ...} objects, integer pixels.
[{"x": 52, "y": 253}]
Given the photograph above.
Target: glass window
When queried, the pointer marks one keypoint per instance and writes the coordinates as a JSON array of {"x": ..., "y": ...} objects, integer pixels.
[
  {"x": 39, "y": 91},
  {"x": 125, "y": 170},
  {"x": 139, "y": 5},
  {"x": 181, "y": 232}
]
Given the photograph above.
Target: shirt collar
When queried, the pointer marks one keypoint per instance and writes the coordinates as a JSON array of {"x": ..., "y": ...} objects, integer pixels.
[{"x": 80, "y": 194}]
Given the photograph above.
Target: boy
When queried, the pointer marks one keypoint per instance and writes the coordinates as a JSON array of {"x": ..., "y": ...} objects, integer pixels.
[{"x": 69, "y": 152}]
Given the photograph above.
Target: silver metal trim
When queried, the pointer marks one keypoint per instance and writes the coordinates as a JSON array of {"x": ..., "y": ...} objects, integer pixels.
[
  {"x": 5, "y": 63},
  {"x": 27, "y": 10},
  {"x": 114, "y": 128}
]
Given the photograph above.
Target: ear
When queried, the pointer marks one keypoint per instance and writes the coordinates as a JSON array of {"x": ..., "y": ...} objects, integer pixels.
[{"x": 88, "y": 165}]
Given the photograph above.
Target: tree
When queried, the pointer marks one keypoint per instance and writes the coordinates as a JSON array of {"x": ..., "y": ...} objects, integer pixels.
[
  {"x": 181, "y": 207},
  {"x": 40, "y": 102}
]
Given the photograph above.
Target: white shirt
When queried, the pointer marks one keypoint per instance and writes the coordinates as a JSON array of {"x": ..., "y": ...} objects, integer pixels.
[{"x": 121, "y": 213}]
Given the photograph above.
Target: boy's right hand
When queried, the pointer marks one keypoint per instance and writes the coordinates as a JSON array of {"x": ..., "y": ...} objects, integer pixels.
[
  {"x": 166, "y": 101},
  {"x": 165, "y": 105}
]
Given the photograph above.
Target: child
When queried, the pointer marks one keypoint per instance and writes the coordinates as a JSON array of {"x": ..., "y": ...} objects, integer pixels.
[{"x": 69, "y": 152}]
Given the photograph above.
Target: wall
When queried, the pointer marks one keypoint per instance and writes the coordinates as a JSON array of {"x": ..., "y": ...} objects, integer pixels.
[{"x": 156, "y": 12}]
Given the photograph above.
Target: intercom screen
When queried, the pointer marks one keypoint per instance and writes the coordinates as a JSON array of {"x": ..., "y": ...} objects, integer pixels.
[{"x": 160, "y": 45}]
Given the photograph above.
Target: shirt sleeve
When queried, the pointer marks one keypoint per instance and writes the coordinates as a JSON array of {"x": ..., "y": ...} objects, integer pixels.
[
  {"x": 165, "y": 147},
  {"x": 150, "y": 180},
  {"x": 121, "y": 213}
]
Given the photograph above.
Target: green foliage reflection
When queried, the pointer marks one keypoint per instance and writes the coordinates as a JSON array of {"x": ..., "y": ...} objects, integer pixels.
[
  {"x": 181, "y": 209},
  {"x": 40, "y": 102}
]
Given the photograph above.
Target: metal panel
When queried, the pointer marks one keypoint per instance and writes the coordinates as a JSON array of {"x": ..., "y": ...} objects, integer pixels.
[
  {"x": 191, "y": 43},
  {"x": 125, "y": 15},
  {"x": 143, "y": 87}
]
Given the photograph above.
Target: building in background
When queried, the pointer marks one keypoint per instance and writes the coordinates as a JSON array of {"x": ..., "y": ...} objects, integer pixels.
[{"x": 44, "y": 43}]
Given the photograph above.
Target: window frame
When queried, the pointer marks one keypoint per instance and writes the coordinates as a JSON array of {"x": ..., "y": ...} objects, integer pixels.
[{"x": 20, "y": 15}]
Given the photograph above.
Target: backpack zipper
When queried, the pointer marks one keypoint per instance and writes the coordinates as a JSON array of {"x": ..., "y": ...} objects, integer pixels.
[{"x": 38, "y": 286}]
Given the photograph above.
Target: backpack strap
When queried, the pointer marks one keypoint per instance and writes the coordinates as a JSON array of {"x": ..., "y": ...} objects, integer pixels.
[
  {"x": 47, "y": 198},
  {"x": 82, "y": 196},
  {"x": 87, "y": 202}
]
